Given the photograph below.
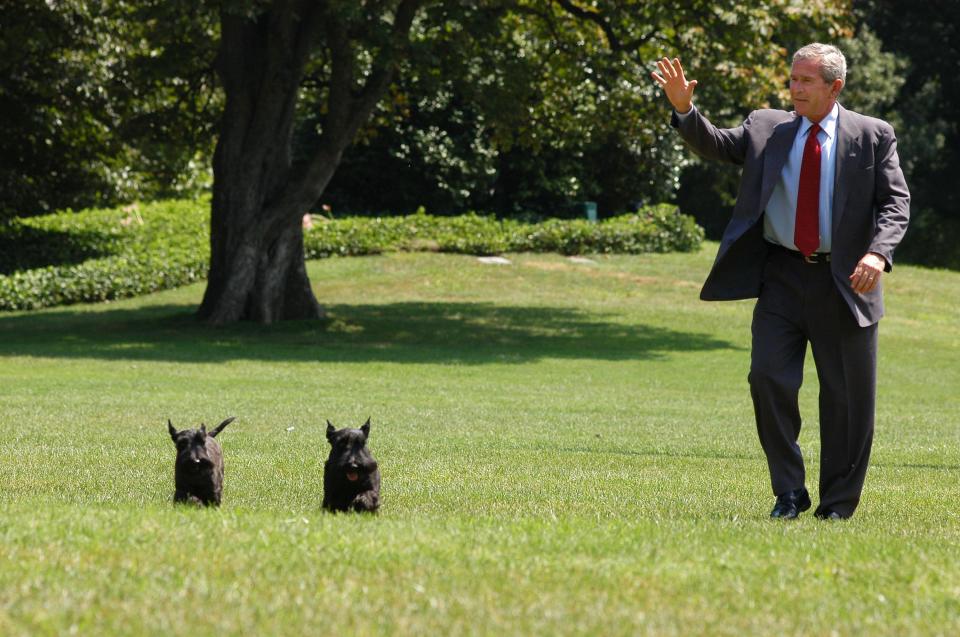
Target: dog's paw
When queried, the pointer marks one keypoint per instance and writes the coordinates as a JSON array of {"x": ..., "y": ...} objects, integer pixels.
[{"x": 365, "y": 502}]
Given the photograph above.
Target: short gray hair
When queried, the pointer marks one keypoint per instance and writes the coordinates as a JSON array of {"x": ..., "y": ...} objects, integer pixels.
[{"x": 833, "y": 65}]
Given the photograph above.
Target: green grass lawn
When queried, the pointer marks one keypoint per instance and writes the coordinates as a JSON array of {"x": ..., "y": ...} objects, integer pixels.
[{"x": 566, "y": 449}]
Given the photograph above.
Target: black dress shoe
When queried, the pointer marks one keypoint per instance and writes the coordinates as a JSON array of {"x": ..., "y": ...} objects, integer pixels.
[
  {"x": 791, "y": 504},
  {"x": 827, "y": 514}
]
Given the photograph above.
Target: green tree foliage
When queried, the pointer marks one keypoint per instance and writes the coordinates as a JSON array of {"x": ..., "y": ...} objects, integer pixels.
[
  {"x": 532, "y": 105},
  {"x": 923, "y": 39},
  {"x": 103, "y": 101},
  {"x": 874, "y": 76},
  {"x": 54, "y": 151},
  {"x": 506, "y": 104},
  {"x": 511, "y": 103},
  {"x": 553, "y": 96}
]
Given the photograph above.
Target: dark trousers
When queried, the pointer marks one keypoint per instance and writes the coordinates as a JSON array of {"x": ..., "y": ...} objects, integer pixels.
[{"x": 799, "y": 303}]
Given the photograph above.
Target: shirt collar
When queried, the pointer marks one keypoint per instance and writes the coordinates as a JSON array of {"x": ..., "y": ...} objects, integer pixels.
[{"x": 828, "y": 124}]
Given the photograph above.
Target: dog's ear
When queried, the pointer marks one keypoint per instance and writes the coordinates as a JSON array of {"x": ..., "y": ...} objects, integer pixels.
[
  {"x": 203, "y": 429},
  {"x": 330, "y": 431},
  {"x": 366, "y": 429},
  {"x": 219, "y": 428},
  {"x": 173, "y": 432}
]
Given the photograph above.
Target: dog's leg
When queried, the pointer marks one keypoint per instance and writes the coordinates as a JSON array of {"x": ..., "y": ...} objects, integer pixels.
[
  {"x": 366, "y": 501},
  {"x": 185, "y": 497}
]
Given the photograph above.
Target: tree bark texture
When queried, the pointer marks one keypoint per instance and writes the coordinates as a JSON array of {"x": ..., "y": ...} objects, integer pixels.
[{"x": 257, "y": 269}]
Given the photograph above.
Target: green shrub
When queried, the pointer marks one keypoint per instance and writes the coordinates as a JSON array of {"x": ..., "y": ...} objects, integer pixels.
[
  {"x": 653, "y": 229},
  {"x": 100, "y": 255},
  {"x": 133, "y": 250}
]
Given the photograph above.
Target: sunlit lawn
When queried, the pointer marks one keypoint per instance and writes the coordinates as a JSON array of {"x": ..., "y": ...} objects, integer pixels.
[{"x": 566, "y": 448}]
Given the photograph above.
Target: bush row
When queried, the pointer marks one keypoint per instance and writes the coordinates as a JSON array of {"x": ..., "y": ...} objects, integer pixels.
[
  {"x": 652, "y": 229},
  {"x": 99, "y": 255},
  {"x": 103, "y": 254}
]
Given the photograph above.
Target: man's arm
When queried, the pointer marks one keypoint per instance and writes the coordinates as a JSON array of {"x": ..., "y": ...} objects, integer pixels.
[
  {"x": 703, "y": 137},
  {"x": 893, "y": 214}
]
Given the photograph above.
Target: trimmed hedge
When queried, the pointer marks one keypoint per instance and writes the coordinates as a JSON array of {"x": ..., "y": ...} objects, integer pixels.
[
  {"x": 658, "y": 228},
  {"x": 132, "y": 250},
  {"x": 100, "y": 255}
]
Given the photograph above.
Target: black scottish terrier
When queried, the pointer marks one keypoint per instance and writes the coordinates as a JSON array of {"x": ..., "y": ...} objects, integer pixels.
[
  {"x": 198, "y": 472},
  {"x": 351, "y": 478}
]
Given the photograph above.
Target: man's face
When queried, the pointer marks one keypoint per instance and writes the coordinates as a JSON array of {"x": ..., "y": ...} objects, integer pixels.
[{"x": 813, "y": 97}]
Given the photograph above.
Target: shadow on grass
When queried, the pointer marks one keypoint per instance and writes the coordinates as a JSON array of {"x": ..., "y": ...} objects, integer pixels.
[
  {"x": 647, "y": 453},
  {"x": 709, "y": 454},
  {"x": 461, "y": 333}
]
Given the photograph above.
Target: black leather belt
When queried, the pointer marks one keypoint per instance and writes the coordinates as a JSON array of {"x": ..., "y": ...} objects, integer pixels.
[{"x": 816, "y": 257}]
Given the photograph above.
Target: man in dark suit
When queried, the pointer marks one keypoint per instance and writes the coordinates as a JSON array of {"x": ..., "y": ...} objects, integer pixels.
[{"x": 821, "y": 207}]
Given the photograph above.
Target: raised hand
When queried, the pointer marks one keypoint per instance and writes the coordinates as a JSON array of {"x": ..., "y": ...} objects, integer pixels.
[{"x": 671, "y": 79}]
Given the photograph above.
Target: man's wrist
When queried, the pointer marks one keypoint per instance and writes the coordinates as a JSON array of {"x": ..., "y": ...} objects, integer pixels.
[{"x": 882, "y": 259}]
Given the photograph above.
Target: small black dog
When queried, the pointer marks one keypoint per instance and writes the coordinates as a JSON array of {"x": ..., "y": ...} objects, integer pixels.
[
  {"x": 351, "y": 478},
  {"x": 198, "y": 472}
]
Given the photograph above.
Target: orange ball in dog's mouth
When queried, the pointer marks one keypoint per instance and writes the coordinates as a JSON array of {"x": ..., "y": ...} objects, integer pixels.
[{"x": 352, "y": 476}]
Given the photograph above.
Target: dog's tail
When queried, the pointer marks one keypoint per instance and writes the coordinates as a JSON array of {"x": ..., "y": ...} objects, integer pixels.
[{"x": 213, "y": 433}]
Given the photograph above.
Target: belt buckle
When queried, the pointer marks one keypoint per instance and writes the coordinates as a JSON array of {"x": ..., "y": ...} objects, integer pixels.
[{"x": 817, "y": 258}]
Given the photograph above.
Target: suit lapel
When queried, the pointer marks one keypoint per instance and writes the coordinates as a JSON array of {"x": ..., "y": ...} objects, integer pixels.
[
  {"x": 847, "y": 157},
  {"x": 777, "y": 151}
]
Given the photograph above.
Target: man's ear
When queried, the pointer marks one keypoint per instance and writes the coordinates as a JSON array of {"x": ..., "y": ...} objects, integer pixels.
[{"x": 836, "y": 87}]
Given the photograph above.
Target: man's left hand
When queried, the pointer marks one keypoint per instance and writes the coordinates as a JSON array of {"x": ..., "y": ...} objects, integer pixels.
[{"x": 867, "y": 274}]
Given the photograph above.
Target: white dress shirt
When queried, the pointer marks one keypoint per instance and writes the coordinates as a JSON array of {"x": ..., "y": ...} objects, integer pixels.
[{"x": 781, "y": 211}]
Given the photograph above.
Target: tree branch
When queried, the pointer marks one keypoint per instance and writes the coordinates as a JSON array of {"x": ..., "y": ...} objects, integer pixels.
[
  {"x": 339, "y": 98},
  {"x": 385, "y": 63},
  {"x": 617, "y": 44},
  {"x": 593, "y": 16},
  {"x": 346, "y": 112}
]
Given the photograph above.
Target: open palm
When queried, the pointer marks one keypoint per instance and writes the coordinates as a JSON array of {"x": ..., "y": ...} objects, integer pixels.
[{"x": 673, "y": 82}]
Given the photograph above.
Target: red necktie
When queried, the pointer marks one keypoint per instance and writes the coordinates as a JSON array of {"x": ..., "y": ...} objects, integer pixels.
[{"x": 806, "y": 232}]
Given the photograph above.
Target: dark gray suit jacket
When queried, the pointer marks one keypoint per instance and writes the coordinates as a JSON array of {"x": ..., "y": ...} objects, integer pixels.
[{"x": 871, "y": 203}]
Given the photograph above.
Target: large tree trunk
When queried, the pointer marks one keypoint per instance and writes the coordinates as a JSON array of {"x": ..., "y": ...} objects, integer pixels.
[{"x": 257, "y": 270}]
